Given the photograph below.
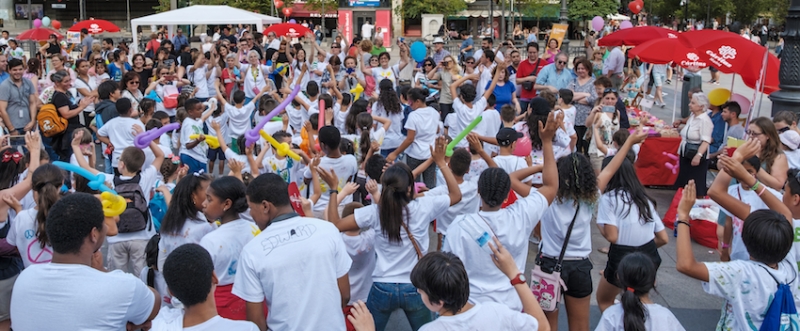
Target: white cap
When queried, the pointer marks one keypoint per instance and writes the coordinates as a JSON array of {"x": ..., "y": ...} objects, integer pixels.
[
  {"x": 791, "y": 139},
  {"x": 438, "y": 40}
]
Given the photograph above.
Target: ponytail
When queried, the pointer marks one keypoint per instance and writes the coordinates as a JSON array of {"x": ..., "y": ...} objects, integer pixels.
[
  {"x": 637, "y": 276},
  {"x": 634, "y": 311},
  {"x": 398, "y": 183},
  {"x": 364, "y": 121},
  {"x": 46, "y": 181}
]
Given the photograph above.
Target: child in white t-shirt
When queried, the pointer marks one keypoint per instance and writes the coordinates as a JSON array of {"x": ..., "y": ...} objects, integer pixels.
[
  {"x": 345, "y": 166},
  {"x": 507, "y": 140},
  {"x": 564, "y": 104},
  {"x": 636, "y": 311},
  {"x": 790, "y": 142},
  {"x": 220, "y": 118},
  {"x": 617, "y": 140},
  {"x": 194, "y": 151},
  {"x": 150, "y": 274},
  {"x": 184, "y": 221},
  {"x": 119, "y": 131},
  {"x": 361, "y": 248},
  {"x": 282, "y": 165}
]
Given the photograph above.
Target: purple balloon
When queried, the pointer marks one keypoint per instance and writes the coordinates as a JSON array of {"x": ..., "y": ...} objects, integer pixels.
[
  {"x": 37, "y": 23},
  {"x": 625, "y": 25},
  {"x": 143, "y": 139},
  {"x": 598, "y": 23},
  {"x": 292, "y": 21},
  {"x": 253, "y": 135}
]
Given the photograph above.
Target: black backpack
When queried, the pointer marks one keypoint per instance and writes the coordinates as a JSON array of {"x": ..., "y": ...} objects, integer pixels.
[{"x": 137, "y": 214}]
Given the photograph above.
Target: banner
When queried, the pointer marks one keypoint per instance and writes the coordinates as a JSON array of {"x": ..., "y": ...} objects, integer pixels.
[
  {"x": 346, "y": 23},
  {"x": 383, "y": 20},
  {"x": 558, "y": 32}
]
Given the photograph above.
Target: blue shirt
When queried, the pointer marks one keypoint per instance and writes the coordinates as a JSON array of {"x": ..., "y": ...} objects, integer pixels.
[
  {"x": 502, "y": 94},
  {"x": 3, "y": 77},
  {"x": 550, "y": 77},
  {"x": 116, "y": 73},
  {"x": 467, "y": 43},
  {"x": 718, "y": 133},
  {"x": 179, "y": 41}
]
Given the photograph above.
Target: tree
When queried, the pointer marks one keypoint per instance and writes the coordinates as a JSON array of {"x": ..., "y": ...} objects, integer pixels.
[
  {"x": 586, "y": 9},
  {"x": 316, "y": 5},
  {"x": 263, "y": 7},
  {"x": 538, "y": 9},
  {"x": 415, "y": 8},
  {"x": 746, "y": 11}
]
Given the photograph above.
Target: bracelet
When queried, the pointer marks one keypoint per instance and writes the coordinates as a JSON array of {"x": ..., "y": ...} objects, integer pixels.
[
  {"x": 755, "y": 186},
  {"x": 333, "y": 191},
  {"x": 762, "y": 191},
  {"x": 724, "y": 246},
  {"x": 684, "y": 222}
]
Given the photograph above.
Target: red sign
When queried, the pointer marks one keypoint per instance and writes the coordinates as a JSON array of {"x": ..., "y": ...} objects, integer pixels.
[
  {"x": 346, "y": 22},
  {"x": 383, "y": 20}
]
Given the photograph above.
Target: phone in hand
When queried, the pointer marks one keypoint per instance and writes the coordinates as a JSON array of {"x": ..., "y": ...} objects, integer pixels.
[
  {"x": 609, "y": 109},
  {"x": 17, "y": 142}
]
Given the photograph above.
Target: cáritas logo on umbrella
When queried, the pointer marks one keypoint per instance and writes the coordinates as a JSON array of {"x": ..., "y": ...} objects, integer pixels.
[
  {"x": 693, "y": 62},
  {"x": 292, "y": 33},
  {"x": 721, "y": 57}
]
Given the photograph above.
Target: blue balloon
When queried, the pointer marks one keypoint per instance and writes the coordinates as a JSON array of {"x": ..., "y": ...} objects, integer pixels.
[{"x": 418, "y": 51}]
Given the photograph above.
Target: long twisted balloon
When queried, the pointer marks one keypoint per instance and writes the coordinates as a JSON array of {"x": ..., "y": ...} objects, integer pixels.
[
  {"x": 252, "y": 135},
  {"x": 143, "y": 139},
  {"x": 96, "y": 182}
]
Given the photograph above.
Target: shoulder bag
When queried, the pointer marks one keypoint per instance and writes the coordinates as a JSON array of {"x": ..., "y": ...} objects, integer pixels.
[
  {"x": 548, "y": 287},
  {"x": 528, "y": 86},
  {"x": 413, "y": 241}
]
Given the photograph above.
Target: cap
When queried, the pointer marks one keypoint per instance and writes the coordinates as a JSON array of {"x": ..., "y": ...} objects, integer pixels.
[
  {"x": 438, "y": 40},
  {"x": 791, "y": 139},
  {"x": 506, "y": 136}
]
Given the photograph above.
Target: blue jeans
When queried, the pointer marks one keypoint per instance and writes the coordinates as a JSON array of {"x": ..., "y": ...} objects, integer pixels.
[
  {"x": 384, "y": 298},
  {"x": 386, "y": 152}
]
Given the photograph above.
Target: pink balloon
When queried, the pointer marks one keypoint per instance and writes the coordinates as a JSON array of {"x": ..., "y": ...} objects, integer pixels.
[
  {"x": 37, "y": 23},
  {"x": 743, "y": 102},
  {"x": 523, "y": 147},
  {"x": 625, "y": 25},
  {"x": 598, "y": 23}
]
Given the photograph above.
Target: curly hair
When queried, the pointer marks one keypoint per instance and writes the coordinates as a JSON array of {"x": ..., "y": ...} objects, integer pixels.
[
  {"x": 576, "y": 180},
  {"x": 493, "y": 186}
]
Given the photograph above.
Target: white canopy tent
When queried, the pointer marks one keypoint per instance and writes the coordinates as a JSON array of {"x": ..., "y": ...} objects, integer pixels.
[{"x": 198, "y": 15}]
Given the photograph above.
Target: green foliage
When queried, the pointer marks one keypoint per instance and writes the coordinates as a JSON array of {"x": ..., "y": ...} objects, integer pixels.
[
  {"x": 163, "y": 5},
  {"x": 538, "y": 8},
  {"x": 316, "y": 5},
  {"x": 586, "y": 9},
  {"x": 264, "y": 7},
  {"x": 415, "y": 8}
]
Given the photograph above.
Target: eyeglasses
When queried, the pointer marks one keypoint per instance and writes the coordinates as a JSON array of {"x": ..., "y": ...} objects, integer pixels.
[
  {"x": 562, "y": 62},
  {"x": 429, "y": 64},
  {"x": 470, "y": 62},
  {"x": 610, "y": 90},
  {"x": 753, "y": 133},
  {"x": 446, "y": 62},
  {"x": 332, "y": 47}
]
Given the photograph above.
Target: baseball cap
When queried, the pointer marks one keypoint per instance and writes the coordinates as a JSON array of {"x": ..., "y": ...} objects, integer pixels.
[
  {"x": 506, "y": 136},
  {"x": 791, "y": 139}
]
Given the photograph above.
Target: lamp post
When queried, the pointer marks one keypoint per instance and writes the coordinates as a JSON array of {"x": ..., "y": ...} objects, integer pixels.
[
  {"x": 788, "y": 97},
  {"x": 563, "y": 18}
]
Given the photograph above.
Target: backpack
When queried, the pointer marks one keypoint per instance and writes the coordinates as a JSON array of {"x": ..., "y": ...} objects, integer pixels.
[
  {"x": 50, "y": 121},
  {"x": 136, "y": 215},
  {"x": 158, "y": 208},
  {"x": 782, "y": 313},
  {"x": 170, "y": 99}
]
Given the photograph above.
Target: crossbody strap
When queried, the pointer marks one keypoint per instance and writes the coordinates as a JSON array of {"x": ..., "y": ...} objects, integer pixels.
[
  {"x": 566, "y": 239},
  {"x": 413, "y": 241},
  {"x": 773, "y": 276}
]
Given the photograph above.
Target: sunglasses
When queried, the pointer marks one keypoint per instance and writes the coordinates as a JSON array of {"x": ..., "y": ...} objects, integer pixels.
[
  {"x": 470, "y": 62},
  {"x": 447, "y": 62},
  {"x": 332, "y": 47},
  {"x": 562, "y": 62},
  {"x": 609, "y": 90},
  {"x": 135, "y": 82},
  {"x": 429, "y": 64},
  {"x": 753, "y": 133},
  {"x": 784, "y": 130}
]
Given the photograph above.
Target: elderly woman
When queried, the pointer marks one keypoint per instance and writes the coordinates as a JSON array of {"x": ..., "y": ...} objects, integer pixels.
[
  {"x": 255, "y": 75},
  {"x": 695, "y": 140},
  {"x": 584, "y": 96}
]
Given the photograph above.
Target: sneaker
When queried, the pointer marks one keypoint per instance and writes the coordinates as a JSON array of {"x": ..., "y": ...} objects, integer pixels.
[
  {"x": 716, "y": 83},
  {"x": 533, "y": 240},
  {"x": 668, "y": 82},
  {"x": 650, "y": 96},
  {"x": 712, "y": 81}
]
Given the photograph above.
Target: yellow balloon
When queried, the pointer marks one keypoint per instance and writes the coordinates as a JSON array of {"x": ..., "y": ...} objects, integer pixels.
[
  {"x": 718, "y": 96},
  {"x": 283, "y": 149},
  {"x": 113, "y": 205},
  {"x": 356, "y": 91},
  {"x": 210, "y": 140}
]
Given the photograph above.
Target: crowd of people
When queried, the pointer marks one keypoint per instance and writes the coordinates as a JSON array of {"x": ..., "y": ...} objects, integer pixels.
[{"x": 373, "y": 193}]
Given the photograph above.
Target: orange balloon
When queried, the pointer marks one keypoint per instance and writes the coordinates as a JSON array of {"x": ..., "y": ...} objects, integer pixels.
[{"x": 56, "y": 24}]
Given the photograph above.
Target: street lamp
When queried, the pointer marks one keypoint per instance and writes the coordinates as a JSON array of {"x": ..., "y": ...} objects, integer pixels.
[
  {"x": 788, "y": 97},
  {"x": 563, "y": 18}
]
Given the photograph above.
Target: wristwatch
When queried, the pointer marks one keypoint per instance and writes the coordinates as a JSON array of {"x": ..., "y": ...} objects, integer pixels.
[{"x": 520, "y": 279}]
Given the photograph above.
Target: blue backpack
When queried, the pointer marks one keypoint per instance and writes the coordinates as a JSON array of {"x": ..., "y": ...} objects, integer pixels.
[
  {"x": 782, "y": 313},
  {"x": 158, "y": 208}
]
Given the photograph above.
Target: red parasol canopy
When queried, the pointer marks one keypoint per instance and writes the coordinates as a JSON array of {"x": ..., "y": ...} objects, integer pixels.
[
  {"x": 636, "y": 35},
  {"x": 95, "y": 26},
  {"x": 291, "y": 30},
  {"x": 666, "y": 50},
  {"x": 38, "y": 34}
]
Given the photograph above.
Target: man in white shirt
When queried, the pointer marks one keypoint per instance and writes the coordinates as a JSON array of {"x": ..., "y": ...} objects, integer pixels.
[
  {"x": 366, "y": 30},
  {"x": 74, "y": 292},
  {"x": 196, "y": 293},
  {"x": 298, "y": 264}
]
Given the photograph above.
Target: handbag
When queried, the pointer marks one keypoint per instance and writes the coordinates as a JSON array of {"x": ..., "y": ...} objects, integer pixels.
[
  {"x": 528, "y": 86},
  {"x": 413, "y": 241},
  {"x": 548, "y": 287},
  {"x": 690, "y": 149}
]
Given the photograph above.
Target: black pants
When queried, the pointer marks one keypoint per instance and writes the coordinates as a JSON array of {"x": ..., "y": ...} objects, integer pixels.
[
  {"x": 428, "y": 176},
  {"x": 698, "y": 173},
  {"x": 582, "y": 145}
]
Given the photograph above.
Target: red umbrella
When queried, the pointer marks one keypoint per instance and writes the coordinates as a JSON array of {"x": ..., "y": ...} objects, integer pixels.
[
  {"x": 637, "y": 35},
  {"x": 291, "y": 30},
  {"x": 95, "y": 26},
  {"x": 771, "y": 80},
  {"x": 38, "y": 34},
  {"x": 666, "y": 50}
]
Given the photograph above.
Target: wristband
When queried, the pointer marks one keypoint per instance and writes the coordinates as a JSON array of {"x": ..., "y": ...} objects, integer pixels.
[
  {"x": 762, "y": 191},
  {"x": 755, "y": 186},
  {"x": 333, "y": 191},
  {"x": 724, "y": 246},
  {"x": 683, "y": 222}
]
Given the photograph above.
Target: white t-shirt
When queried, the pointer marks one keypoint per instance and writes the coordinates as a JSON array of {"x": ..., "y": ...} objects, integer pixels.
[
  {"x": 485, "y": 77},
  {"x": 297, "y": 116},
  {"x": 346, "y": 167},
  {"x": 361, "y": 249},
  {"x": 366, "y": 30},
  {"x": 470, "y": 203},
  {"x": 239, "y": 118},
  {"x": 793, "y": 157},
  {"x": 219, "y": 323},
  {"x": 484, "y": 316},
  {"x": 476, "y": 167},
  {"x": 222, "y": 119},
  {"x": 119, "y": 131},
  {"x": 394, "y": 135},
  {"x": 212, "y": 78},
  {"x": 23, "y": 235},
  {"x": 465, "y": 115},
  {"x": 56, "y": 290},
  {"x": 230, "y": 154},
  {"x": 287, "y": 168},
  {"x": 90, "y": 86},
  {"x": 192, "y": 232},
  {"x": 555, "y": 223},
  {"x": 511, "y": 163},
  {"x": 159, "y": 284},
  {"x": 198, "y": 77},
  {"x": 656, "y": 318},
  {"x": 254, "y": 79},
  {"x": 488, "y": 127},
  {"x": 512, "y": 226},
  {"x": 225, "y": 245},
  {"x": 613, "y": 210},
  {"x": 282, "y": 263},
  {"x": 569, "y": 119},
  {"x": 423, "y": 122},
  {"x": 395, "y": 260},
  {"x": 189, "y": 127},
  {"x": 738, "y": 251},
  {"x": 747, "y": 289},
  {"x": 389, "y": 73}
]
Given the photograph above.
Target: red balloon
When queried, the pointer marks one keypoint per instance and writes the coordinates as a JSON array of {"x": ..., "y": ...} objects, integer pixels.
[
  {"x": 56, "y": 24},
  {"x": 278, "y": 4},
  {"x": 635, "y": 6},
  {"x": 287, "y": 11}
]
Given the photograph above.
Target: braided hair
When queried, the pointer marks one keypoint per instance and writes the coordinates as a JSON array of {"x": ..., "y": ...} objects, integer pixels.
[
  {"x": 493, "y": 186},
  {"x": 576, "y": 180}
]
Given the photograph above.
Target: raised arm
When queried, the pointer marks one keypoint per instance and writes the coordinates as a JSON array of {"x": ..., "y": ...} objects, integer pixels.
[
  {"x": 550, "y": 171},
  {"x": 686, "y": 263},
  {"x": 610, "y": 169}
]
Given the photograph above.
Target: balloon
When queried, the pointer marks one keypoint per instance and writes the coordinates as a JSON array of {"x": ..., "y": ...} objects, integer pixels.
[
  {"x": 287, "y": 11},
  {"x": 143, "y": 139},
  {"x": 674, "y": 167},
  {"x": 449, "y": 150},
  {"x": 283, "y": 149},
  {"x": 625, "y": 25},
  {"x": 113, "y": 205},
  {"x": 46, "y": 21},
  {"x": 292, "y": 21},
  {"x": 718, "y": 96},
  {"x": 321, "y": 121},
  {"x": 278, "y": 4},
  {"x": 523, "y": 147},
  {"x": 356, "y": 91},
  {"x": 253, "y": 134},
  {"x": 635, "y": 6},
  {"x": 418, "y": 51},
  {"x": 56, "y": 24},
  {"x": 597, "y": 23},
  {"x": 212, "y": 141},
  {"x": 96, "y": 182},
  {"x": 37, "y": 23},
  {"x": 743, "y": 102}
]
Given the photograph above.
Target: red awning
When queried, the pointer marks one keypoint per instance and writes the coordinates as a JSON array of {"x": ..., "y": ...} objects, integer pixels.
[{"x": 299, "y": 10}]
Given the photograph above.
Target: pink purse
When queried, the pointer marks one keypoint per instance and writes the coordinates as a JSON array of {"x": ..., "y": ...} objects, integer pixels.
[{"x": 548, "y": 287}]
